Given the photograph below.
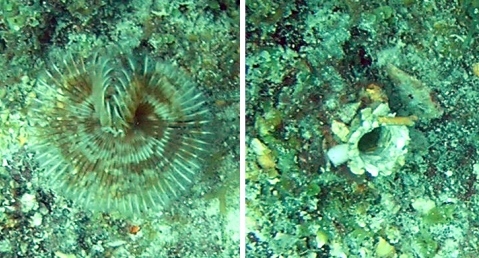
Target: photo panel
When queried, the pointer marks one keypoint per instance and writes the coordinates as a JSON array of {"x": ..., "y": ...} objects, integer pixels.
[
  {"x": 361, "y": 130},
  {"x": 119, "y": 128}
]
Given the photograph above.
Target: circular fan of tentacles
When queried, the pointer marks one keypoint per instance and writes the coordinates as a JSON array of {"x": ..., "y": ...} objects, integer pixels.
[{"x": 118, "y": 134}]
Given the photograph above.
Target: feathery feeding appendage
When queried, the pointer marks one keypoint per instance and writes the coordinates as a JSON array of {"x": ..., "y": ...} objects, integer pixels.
[{"x": 120, "y": 136}]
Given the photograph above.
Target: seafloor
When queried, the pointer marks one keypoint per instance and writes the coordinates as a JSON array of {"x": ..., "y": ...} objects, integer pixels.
[
  {"x": 308, "y": 63},
  {"x": 201, "y": 37}
]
